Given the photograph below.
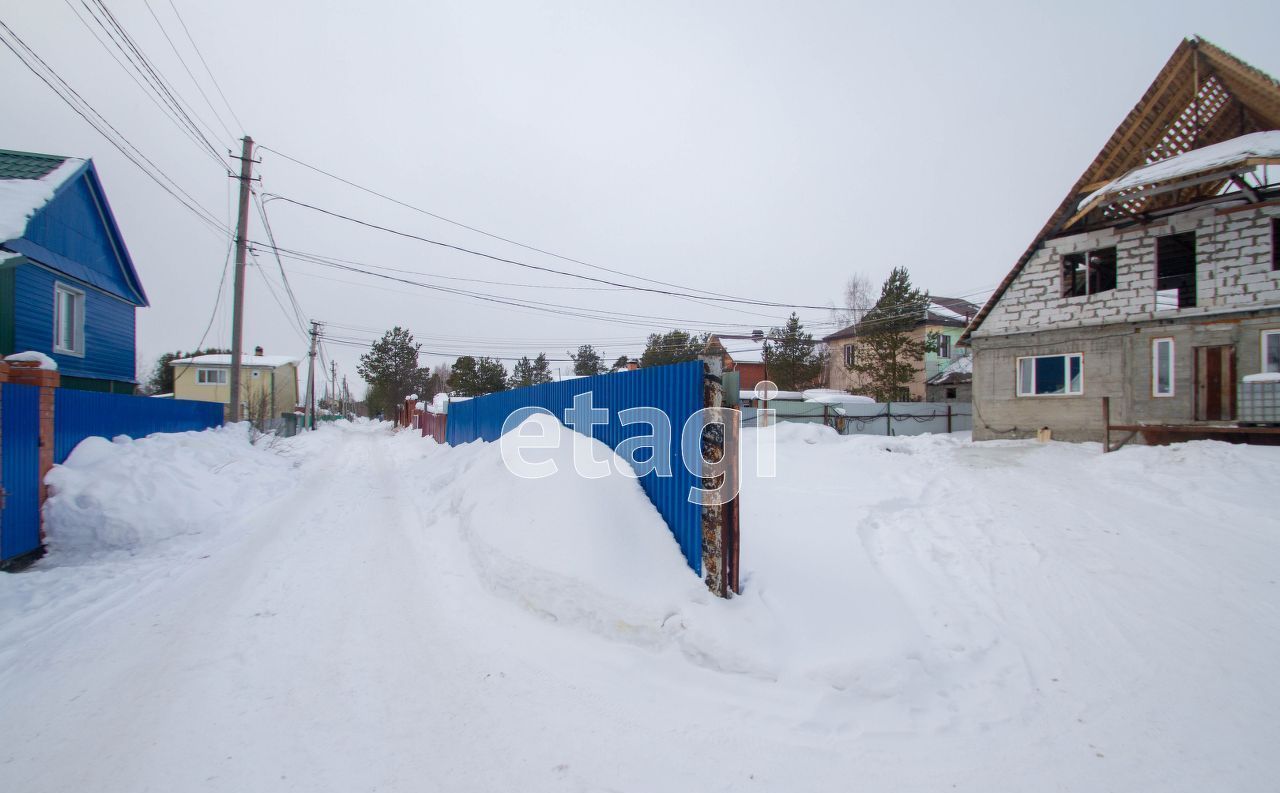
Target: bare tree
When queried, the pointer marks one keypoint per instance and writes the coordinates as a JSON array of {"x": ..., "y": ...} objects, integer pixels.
[{"x": 858, "y": 299}]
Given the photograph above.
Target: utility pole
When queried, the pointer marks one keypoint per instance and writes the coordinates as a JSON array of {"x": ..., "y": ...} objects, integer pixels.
[
  {"x": 310, "y": 404},
  {"x": 333, "y": 383},
  {"x": 237, "y": 305}
]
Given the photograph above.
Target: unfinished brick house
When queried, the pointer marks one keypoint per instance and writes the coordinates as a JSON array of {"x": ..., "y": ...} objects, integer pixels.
[{"x": 1156, "y": 283}]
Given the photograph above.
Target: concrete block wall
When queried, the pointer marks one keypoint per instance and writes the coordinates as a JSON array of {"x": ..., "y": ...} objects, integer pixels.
[{"x": 1233, "y": 268}]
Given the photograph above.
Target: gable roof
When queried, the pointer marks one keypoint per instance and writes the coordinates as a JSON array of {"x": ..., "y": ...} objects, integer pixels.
[
  {"x": 54, "y": 212},
  {"x": 1203, "y": 95},
  {"x": 952, "y": 312}
]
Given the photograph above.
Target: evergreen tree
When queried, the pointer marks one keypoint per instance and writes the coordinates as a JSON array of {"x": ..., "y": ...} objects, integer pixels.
[
  {"x": 887, "y": 353},
  {"x": 586, "y": 361},
  {"x": 792, "y": 359},
  {"x": 491, "y": 376},
  {"x": 161, "y": 380},
  {"x": 621, "y": 363},
  {"x": 472, "y": 376},
  {"x": 527, "y": 372},
  {"x": 674, "y": 346},
  {"x": 391, "y": 370}
]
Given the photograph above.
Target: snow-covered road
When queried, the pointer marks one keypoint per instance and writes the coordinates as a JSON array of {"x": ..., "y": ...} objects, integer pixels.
[{"x": 360, "y": 610}]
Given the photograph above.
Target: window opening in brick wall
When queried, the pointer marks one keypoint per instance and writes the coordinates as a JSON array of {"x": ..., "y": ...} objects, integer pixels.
[
  {"x": 1176, "y": 271},
  {"x": 1089, "y": 273}
]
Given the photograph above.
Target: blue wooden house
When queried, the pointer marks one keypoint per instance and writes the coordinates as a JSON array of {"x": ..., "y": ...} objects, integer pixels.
[{"x": 68, "y": 288}]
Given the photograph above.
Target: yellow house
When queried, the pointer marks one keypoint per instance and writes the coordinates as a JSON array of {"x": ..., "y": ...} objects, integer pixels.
[{"x": 269, "y": 382}]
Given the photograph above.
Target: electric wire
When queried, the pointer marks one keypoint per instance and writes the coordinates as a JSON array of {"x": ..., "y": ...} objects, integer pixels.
[
  {"x": 101, "y": 125},
  {"x": 187, "y": 69},
  {"x": 540, "y": 268},
  {"x": 164, "y": 109},
  {"x": 162, "y": 86}
]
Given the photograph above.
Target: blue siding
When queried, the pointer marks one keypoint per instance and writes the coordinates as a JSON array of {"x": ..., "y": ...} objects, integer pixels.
[
  {"x": 80, "y": 414},
  {"x": 74, "y": 234},
  {"x": 20, "y": 468},
  {"x": 109, "y": 326},
  {"x": 676, "y": 390}
]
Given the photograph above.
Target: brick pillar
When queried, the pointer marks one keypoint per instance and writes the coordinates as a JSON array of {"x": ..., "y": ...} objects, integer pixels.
[{"x": 30, "y": 373}]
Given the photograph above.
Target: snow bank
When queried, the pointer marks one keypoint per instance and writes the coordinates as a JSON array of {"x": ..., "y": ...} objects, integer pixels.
[
  {"x": 37, "y": 357},
  {"x": 129, "y": 494},
  {"x": 590, "y": 552}
]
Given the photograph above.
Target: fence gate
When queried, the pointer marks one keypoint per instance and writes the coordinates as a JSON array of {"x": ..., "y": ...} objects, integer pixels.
[{"x": 19, "y": 469}]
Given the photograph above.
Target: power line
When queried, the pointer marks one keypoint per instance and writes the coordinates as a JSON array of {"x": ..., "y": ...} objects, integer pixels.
[
  {"x": 165, "y": 110},
  {"x": 540, "y": 268},
  {"x": 208, "y": 71},
  {"x": 284, "y": 278},
  {"x": 489, "y": 234},
  {"x": 187, "y": 69},
  {"x": 84, "y": 109},
  {"x": 133, "y": 53},
  {"x": 554, "y": 308}
]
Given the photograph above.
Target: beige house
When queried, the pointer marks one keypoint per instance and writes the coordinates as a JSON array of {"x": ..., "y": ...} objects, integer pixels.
[
  {"x": 269, "y": 382},
  {"x": 945, "y": 320}
]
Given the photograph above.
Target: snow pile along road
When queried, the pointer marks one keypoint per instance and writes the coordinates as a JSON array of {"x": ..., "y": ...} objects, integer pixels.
[
  {"x": 377, "y": 611},
  {"x": 127, "y": 494}
]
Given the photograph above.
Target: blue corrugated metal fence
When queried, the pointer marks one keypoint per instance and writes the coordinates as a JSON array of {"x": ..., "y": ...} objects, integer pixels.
[
  {"x": 80, "y": 414},
  {"x": 676, "y": 390},
  {"x": 19, "y": 469}
]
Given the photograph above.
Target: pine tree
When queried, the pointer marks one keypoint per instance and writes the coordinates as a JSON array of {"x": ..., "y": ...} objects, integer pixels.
[
  {"x": 491, "y": 376},
  {"x": 621, "y": 363},
  {"x": 586, "y": 361},
  {"x": 674, "y": 346},
  {"x": 791, "y": 358},
  {"x": 530, "y": 372},
  {"x": 886, "y": 353},
  {"x": 391, "y": 370}
]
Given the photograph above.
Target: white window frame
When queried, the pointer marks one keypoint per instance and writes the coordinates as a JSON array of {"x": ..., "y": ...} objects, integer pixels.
[
  {"x": 944, "y": 339},
  {"x": 848, "y": 355},
  {"x": 202, "y": 376},
  {"x": 76, "y": 347},
  {"x": 1266, "y": 334},
  {"x": 1155, "y": 366},
  {"x": 1066, "y": 364}
]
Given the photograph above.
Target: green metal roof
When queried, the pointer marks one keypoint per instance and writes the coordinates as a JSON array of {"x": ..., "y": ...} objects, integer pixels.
[{"x": 27, "y": 165}]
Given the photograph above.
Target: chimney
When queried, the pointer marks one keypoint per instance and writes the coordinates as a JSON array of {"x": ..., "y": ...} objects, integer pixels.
[
  {"x": 632, "y": 365},
  {"x": 258, "y": 351}
]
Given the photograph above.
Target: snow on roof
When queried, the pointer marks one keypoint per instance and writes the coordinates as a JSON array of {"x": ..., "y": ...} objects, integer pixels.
[
  {"x": 245, "y": 360},
  {"x": 746, "y": 351},
  {"x": 1219, "y": 156},
  {"x": 955, "y": 372},
  {"x": 22, "y": 198},
  {"x": 1264, "y": 377},
  {"x": 839, "y": 399},
  {"x": 32, "y": 356}
]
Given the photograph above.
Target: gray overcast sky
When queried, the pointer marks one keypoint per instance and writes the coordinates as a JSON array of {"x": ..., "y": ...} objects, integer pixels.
[{"x": 766, "y": 150}]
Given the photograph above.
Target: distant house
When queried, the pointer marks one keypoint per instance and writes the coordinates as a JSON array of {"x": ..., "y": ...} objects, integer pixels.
[
  {"x": 68, "y": 288},
  {"x": 953, "y": 384},
  {"x": 1156, "y": 282},
  {"x": 946, "y": 317},
  {"x": 270, "y": 381},
  {"x": 745, "y": 355}
]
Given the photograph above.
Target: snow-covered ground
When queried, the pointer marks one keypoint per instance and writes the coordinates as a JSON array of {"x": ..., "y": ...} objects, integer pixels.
[{"x": 357, "y": 609}]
